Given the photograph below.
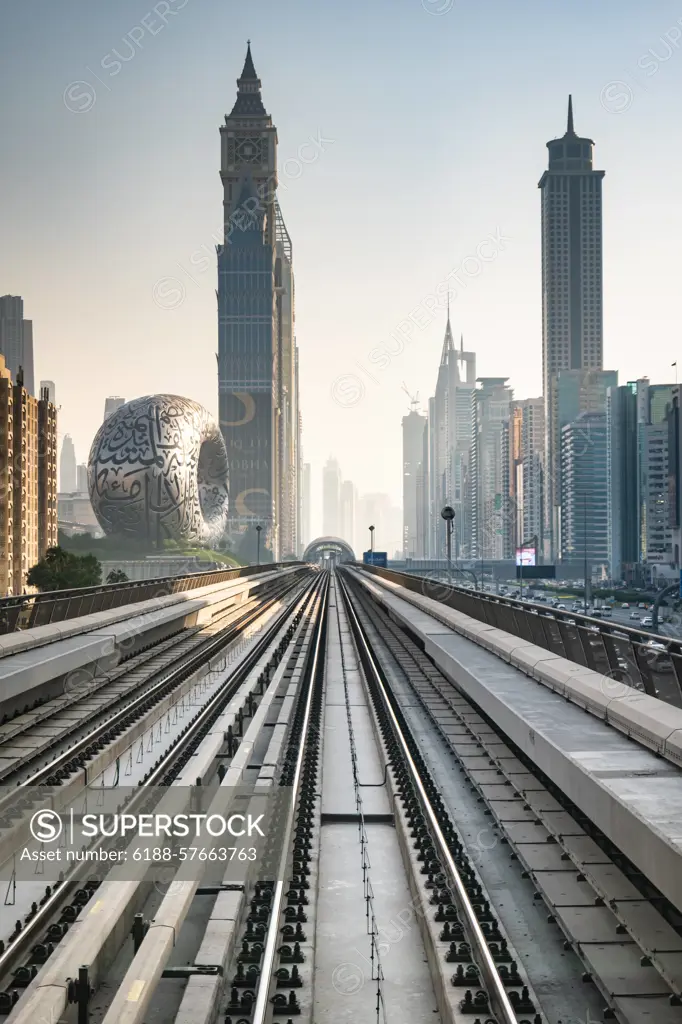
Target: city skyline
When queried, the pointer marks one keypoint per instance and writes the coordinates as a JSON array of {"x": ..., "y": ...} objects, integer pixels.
[{"x": 499, "y": 310}]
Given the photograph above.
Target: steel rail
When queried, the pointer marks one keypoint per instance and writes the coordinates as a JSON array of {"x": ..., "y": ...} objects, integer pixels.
[
  {"x": 273, "y": 935},
  {"x": 27, "y": 937},
  {"x": 193, "y": 659},
  {"x": 496, "y": 989}
]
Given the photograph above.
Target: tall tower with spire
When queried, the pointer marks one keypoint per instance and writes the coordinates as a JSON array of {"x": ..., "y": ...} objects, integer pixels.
[
  {"x": 450, "y": 429},
  {"x": 572, "y": 313},
  {"x": 257, "y": 358}
]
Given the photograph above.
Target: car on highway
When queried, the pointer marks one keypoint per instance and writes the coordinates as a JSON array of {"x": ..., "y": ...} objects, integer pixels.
[
  {"x": 607, "y": 613},
  {"x": 647, "y": 621},
  {"x": 596, "y": 613},
  {"x": 561, "y": 607},
  {"x": 634, "y": 617},
  {"x": 625, "y": 604}
]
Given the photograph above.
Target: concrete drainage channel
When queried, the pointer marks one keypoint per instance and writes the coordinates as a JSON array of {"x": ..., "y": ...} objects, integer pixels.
[{"x": 626, "y": 948}]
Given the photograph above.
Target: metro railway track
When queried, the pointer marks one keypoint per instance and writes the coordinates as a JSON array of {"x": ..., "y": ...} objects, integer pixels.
[
  {"x": 549, "y": 841},
  {"x": 463, "y": 917},
  {"x": 335, "y": 689},
  {"x": 133, "y": 690},
  {"x": 63, "y": 902}
]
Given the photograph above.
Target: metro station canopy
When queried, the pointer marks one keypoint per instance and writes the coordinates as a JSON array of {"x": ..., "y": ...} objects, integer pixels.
[{"x": 329, "y": 545}]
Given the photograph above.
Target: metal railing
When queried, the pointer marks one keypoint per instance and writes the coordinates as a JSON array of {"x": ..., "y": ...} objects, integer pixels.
[
  {"x": 31, "y": 610},
  {"x": 619, "y": 652}
]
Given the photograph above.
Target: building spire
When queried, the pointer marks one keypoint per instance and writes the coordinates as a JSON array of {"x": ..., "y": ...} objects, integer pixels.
[
  {"x": 570, "y": 130},
  {"x": 249, "y": 102},
  {"x": 448, "y": 343},
  {"x": 249, "y": 71}
]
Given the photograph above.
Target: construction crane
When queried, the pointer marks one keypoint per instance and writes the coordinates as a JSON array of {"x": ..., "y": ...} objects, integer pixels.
[{"x": 414, "y": 399}]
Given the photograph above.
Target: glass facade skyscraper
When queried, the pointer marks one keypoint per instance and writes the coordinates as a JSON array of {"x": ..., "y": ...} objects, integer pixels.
[{"x": 584, "y": 520}]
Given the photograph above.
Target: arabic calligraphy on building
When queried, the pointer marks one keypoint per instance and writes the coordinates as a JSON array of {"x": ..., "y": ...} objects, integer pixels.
[{"x": 158, "y": 470}]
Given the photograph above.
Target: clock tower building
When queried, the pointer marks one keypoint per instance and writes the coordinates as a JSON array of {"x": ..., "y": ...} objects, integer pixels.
[
  {"x": 248, "y": 144},
  {"x": 258, "y": 395}
]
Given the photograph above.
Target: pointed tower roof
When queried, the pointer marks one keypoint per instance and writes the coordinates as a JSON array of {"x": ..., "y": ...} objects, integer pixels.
[
  {"x": 448, "y": 342},
  {"x": 249, "y": 71},
  {"x": 249, "y": 102}
]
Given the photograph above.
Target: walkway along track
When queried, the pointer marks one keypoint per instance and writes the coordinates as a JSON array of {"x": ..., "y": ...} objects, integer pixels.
[
  {"x": 34, "y": 943},
  {"x": 626, "y": 935}
]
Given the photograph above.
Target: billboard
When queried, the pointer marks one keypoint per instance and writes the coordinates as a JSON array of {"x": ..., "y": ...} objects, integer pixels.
[
  {"x": 525, "y": 556},
  {"x": 375, "y": 558},
  {"x": 536, "y": 572}
]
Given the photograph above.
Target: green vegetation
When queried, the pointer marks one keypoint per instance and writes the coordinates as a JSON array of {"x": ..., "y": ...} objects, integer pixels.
[
  {"x": 116, "y": 549},
  {"x": 117, "y": 576},
  {"x": 63, "y": 570}
]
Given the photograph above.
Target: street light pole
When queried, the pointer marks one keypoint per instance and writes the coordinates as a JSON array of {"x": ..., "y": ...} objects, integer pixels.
[
  {"x": 258, "y": 530},
  {"x": 371, "y": 539},
  {"x": 448, "y": 514}
]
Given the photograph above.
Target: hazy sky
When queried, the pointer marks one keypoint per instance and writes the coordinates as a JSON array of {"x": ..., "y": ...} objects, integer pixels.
[{"x": 425, "y": 123}]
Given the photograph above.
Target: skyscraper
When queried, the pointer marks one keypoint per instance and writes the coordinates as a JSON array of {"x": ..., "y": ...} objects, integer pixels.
[
  {"x": 413, "y": 455},
  {"x": 331, "y": 499},
  {"x": 286, "y": 394},
  {"x": 28, "y": 478},
  {"x": 622, "y": 480},
  {"x": 306, "y": 500},
  {"x": 16, "y": 340},
  {"x": 654, "y": 403},
  {"x": 422, "y": 546},
  {"x": 532, "y": 472},
  {"x": 584, "y": 499},
  {"x": 451, "y": 444},
  {"x": 348, "y": 500},
  {"x": 490, "y": 410},
  {"x": 257, "y": 359},
  {"x": 68, "y": 477},
  {"x": 572, "y": 316},
  {"x": 378, "y": 510},
  {"x": 111, "y": 404}
]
